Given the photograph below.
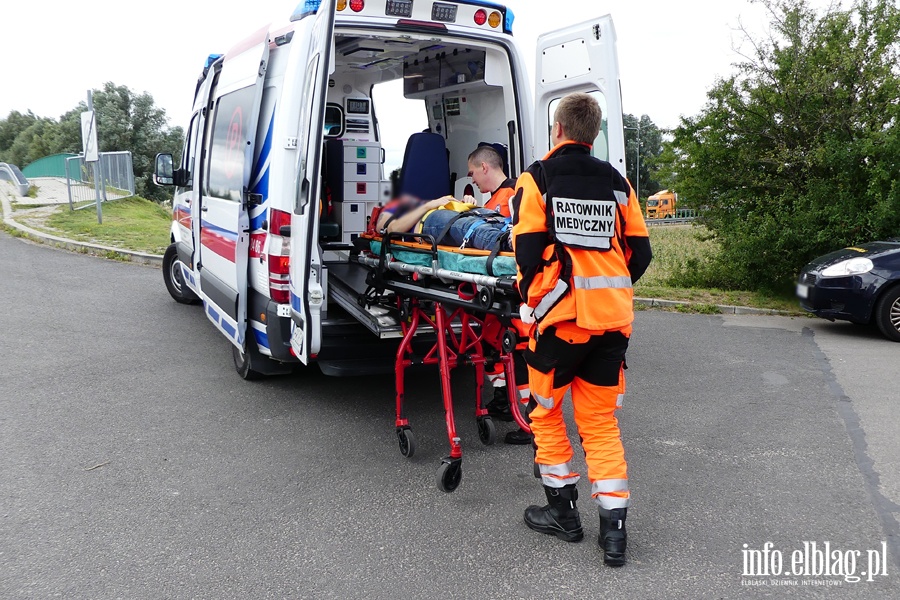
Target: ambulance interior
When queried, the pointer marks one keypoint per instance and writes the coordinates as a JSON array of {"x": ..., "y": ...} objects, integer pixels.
[
  {"x": 463, "y": 96},
  {"x": 460, "y": 92}
]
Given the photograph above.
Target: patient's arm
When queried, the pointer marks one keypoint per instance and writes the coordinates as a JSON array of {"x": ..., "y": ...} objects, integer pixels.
[{"x": 409, "y": 220}]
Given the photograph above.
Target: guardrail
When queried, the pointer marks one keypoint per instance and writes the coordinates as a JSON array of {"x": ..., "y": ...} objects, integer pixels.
[{"x": 664, "y": 222}]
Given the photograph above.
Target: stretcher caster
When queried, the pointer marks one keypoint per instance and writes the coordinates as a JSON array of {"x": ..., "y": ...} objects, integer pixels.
[
  {"x": 407, "y": 442},
  {"x": 487, "y": 431},
  {"x": 449, "y": 474}
]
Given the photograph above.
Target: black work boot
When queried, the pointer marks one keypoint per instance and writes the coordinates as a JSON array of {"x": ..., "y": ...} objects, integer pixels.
[
  {"x": 559, "y": 517},
  {"x": 612, "y": 537},
  {"x": 498, "y": 407},
  {"x": 518, "y": 438}
]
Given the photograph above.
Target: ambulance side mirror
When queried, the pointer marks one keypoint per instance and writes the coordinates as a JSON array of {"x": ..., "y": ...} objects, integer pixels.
[{"x": 164, "y": 171}]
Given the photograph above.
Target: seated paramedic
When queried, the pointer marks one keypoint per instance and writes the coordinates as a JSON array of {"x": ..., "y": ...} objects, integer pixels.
[
  {"x": 486, "y": 172},
  {"x": 450, "y": 222}
]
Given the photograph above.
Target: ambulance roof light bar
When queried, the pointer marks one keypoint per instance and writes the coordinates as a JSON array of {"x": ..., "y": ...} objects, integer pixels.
[{"x": 310, "y": 7}]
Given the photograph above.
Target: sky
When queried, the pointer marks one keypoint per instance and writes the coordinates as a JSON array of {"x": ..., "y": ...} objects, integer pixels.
[{"x": 670, "y": 53}]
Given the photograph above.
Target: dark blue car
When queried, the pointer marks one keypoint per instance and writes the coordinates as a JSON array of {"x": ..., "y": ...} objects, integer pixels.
[{"x": 859, "y": 284}]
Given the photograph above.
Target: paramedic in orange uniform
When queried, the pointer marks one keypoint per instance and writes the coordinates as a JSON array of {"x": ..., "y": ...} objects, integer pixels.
[
  {"x": 486, "y": 171},
  {"x": 580, "y": 242}
]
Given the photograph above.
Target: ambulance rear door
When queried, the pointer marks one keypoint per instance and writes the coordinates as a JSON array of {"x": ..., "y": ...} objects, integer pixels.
[
  {"x": 307, "y": 286},
  {"x": 580, "y": 58},
  {"x": 223, "y": 252}
]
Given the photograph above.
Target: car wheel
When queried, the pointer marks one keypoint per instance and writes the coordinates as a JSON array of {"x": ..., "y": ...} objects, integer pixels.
[
  {"x": 887, "y": 314},
  {"x": 174, "y": 278}
]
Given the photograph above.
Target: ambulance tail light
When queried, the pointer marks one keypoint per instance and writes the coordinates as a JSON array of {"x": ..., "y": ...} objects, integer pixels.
[
  {"x": 341, "y": 5},
  {"x": 279, "y": 256},
  {"x": 357, "y": 5},
  {"x": 481, "y": 16},
  {"x": 495, "y": 19}
]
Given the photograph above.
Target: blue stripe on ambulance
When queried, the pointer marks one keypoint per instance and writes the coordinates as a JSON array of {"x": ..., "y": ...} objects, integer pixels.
[
  {"x": 260, "y": 186},
  {"x": 260, "y": 183}
]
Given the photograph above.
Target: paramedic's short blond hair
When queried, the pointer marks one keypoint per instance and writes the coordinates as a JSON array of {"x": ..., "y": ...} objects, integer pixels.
[{"x": 581, "y": 117}]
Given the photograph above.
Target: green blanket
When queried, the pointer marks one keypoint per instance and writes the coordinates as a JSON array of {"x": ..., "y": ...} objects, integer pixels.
[{"x": 504, "y": 266}]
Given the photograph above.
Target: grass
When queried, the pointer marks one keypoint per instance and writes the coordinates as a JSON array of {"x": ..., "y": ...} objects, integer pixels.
[
  {"x": 672, "y": 248},
  {"x": 132, "y": 224},
  {"x": 18, "y": 206},
  {"x": 33, "y": 191}
]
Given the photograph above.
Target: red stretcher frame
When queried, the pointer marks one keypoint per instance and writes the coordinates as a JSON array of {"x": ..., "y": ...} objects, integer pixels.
[{"x": 466, "y": 328}]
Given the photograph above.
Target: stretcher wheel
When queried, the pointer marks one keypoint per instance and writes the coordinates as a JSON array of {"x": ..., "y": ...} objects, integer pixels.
[
  {"x": 510, "y": 341},
  {"x": 407, "y": 442},
  {"x": 487, "y": 431},
  {"x": 449, "y": 474},
  {"x": 485, "y": 297}
]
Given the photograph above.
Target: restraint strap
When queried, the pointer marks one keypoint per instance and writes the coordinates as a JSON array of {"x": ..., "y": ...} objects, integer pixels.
[
  {"x": 447, "y": 227},
  {"x": 495, "y": 251},
  {"x": 475, "y": 225}
]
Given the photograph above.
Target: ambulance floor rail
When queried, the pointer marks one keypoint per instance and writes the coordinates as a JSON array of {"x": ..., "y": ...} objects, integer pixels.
[{"x": 470, "y": 326}]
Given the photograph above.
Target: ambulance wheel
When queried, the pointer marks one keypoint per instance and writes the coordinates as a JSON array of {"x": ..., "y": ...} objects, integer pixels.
[
  {"x": 243, "y": 363},
  {"x": 174, "y": 278},
  {"x": 407, "y": 442},
  {"x": 449, "y": 475},
  {"x": 487, "y": 431}
]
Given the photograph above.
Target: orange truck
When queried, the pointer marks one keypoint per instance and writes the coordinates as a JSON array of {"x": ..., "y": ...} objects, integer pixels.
[{"x": 662, "y": 205}]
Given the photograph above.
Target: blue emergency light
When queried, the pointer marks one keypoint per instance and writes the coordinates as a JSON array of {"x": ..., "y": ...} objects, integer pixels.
[
  {"x": 210, "y": 60},
  {"x": 307, "y": 7}
]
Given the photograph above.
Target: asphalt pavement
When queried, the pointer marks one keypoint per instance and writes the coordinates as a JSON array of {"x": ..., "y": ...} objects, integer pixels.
[{"x": 134, "y": 463}]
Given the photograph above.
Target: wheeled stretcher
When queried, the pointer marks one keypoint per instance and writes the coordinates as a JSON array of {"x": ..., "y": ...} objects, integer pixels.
[{"x": 469, "y": 312}]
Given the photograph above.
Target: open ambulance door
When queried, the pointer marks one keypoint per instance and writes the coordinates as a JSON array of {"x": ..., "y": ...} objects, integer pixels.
[
  {"x": 307, "y": 286},
  {"x": 223, "y": 252},
  {"x": 580, "y": 58}
]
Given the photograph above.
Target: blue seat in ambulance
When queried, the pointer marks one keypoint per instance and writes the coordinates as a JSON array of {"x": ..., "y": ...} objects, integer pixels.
[{"x": 426, "y": 168}]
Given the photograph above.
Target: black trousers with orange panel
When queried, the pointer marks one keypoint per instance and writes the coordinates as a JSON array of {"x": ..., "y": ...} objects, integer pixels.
[{"x": 592, "y": 365}]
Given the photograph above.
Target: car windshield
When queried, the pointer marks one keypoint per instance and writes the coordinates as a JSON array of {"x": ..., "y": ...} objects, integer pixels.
[{"x": 652, "y": 202}]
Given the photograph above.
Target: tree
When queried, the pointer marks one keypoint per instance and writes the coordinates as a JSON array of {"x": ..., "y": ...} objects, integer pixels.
[
  {"x": 125, "y": 121},
  {"x": 651, "y": 146},
  {"x": 10, "y": 128},
  {"x": 799, "y": 152}
]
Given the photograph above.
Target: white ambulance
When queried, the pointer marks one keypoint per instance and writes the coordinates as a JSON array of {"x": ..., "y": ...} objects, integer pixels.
[{"x": 284, "y": 159}]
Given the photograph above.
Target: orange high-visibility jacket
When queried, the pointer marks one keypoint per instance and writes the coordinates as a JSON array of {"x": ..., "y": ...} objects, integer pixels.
[
  {"x": 576, "y": 225},
  {"x": 499, "y": 201}
]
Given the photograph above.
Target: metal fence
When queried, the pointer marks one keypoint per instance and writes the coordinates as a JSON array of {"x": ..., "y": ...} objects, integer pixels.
[{"x": 116, "y": 172}]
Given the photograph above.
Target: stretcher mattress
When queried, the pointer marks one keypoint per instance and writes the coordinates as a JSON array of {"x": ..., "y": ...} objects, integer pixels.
[{"x": 451, "y": 259}]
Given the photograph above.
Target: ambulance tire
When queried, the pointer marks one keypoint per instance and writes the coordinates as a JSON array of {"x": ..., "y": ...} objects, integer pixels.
[
  {"x": 172, "y": 275},
  {"x": 244, "y": 361}
]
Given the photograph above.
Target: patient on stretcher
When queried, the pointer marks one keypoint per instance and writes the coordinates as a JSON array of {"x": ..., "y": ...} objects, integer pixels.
[{"x": 449, "y": 222}]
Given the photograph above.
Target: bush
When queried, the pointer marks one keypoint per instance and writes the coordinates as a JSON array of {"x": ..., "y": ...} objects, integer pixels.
[{"x": 797, "y": 155}]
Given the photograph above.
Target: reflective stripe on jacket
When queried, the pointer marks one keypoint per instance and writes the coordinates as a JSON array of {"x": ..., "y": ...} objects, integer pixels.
[{"x": 571, "y": 216}]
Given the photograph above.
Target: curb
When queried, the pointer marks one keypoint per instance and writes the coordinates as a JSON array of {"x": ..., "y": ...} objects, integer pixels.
[
  {"x": 142, "y": 258},
  {"x": 725, "y": 309}
]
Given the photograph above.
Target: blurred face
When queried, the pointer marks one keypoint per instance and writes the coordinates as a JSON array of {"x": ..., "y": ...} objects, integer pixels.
[{"x": 479, "y": 175}]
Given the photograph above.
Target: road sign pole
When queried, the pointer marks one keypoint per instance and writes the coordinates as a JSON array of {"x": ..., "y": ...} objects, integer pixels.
[{"x": 96, "y": 166}]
